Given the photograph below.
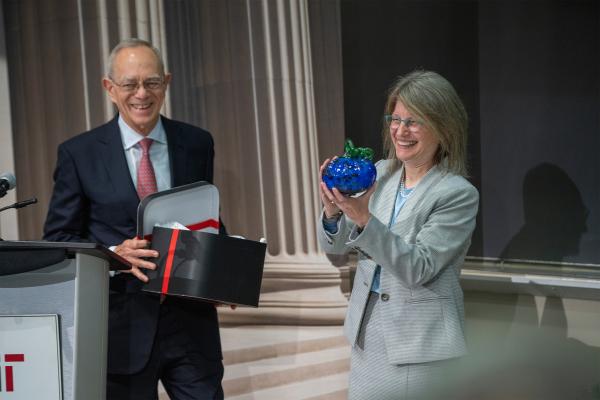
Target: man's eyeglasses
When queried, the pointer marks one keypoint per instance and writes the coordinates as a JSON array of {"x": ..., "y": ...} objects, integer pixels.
[
  {"x": 134, "y": 86},
  {"x": 394, "y": 121}
]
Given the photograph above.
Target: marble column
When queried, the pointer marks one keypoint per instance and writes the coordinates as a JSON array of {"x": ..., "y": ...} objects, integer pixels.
[
  {"x": 56, "y": 52},
  {"x": 251, "y": 80}
]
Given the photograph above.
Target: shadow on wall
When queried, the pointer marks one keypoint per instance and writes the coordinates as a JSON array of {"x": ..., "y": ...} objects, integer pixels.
[
  {"x": 555, "y": 217},
  {"x": 525, "y": 352}
]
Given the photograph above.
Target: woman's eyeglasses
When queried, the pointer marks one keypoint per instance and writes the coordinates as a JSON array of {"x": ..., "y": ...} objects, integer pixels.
[{"x": 394, "y": 121}]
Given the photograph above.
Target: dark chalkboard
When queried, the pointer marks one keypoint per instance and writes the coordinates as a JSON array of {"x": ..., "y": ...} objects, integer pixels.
[{"x": 529, "y": 74}]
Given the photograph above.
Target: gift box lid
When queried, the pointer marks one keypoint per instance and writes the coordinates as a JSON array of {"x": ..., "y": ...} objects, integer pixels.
[{"x": 195, "y": 205}]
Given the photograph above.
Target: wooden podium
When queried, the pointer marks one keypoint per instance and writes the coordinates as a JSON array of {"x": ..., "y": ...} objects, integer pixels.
[{"x": 68, "y": 283}]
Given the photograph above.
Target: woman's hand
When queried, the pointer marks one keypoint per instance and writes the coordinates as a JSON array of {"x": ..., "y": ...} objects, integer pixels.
[
  {"x": 355, "y": 208},
  {"x": 329, "y": 206}
]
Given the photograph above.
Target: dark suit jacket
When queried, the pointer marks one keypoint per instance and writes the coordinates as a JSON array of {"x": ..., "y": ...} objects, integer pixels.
[{"x": 94, "y": 200}]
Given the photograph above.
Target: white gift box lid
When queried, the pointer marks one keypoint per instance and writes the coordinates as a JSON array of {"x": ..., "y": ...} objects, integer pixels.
[{"x": 195, "y": 205}]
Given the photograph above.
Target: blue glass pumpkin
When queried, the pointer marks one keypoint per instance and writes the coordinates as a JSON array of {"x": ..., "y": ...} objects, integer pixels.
[{"x": 352, "y": 173}]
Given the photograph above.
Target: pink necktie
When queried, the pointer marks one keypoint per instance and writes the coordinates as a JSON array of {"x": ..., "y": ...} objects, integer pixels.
[{"x": 146, "y": 181}]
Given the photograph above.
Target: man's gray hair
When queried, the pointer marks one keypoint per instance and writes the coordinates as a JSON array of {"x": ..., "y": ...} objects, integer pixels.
[{"x": 129, "y": 43}]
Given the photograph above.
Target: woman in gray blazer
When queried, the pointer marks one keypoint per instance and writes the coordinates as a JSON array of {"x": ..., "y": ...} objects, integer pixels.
[{"x": 412, "y": 230}]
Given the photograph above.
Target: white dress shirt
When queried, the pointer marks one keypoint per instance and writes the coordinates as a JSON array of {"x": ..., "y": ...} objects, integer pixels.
[
  {"x": 159, "y": 153},
  {"x": 159, "y": 156}
]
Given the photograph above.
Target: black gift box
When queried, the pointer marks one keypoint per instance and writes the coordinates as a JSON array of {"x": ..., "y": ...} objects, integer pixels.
[
  {"x": 207, "y": 266},
  {"x": 198, "y": 264}
]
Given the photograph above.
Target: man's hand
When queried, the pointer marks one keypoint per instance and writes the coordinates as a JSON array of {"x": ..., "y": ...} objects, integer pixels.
[{"x": 133, "y": 250}]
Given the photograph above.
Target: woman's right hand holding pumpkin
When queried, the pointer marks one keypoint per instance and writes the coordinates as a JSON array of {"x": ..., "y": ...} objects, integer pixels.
[{"x": 330, "y": 208}]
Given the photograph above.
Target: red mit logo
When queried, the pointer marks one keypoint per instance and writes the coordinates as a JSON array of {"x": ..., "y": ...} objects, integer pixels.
[{"x": 10, "y": 358}]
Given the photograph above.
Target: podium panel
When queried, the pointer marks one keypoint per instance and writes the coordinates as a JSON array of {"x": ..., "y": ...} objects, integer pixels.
[
  {"x": 75, "y": 291},
  {"x": 30, "y": 353}
]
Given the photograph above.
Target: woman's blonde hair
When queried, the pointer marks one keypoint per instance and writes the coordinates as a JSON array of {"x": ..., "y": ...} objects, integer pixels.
[{"x": 433, "y": 100}]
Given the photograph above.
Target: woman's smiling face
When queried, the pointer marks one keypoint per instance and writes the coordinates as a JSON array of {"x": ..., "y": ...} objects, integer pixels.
[{"x": 416, "y": 145}]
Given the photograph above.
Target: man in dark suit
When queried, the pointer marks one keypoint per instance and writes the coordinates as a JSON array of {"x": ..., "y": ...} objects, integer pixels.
[{"x": 100, "y": 177}]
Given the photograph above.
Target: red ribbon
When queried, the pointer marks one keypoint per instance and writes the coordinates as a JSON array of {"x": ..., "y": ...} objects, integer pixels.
[{"x": 169, "y": 262}]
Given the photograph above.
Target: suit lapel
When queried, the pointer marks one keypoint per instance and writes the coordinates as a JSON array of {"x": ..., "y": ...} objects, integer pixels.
[
  {"x": 383, "y": 205},
  {"x": 415, "y": 200},
  {"x": 116, "y": 165},
  {"x": 177, "y": 154}
]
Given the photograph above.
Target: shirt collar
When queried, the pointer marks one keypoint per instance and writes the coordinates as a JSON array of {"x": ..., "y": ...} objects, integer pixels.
[{"x": 130, "y": 137}]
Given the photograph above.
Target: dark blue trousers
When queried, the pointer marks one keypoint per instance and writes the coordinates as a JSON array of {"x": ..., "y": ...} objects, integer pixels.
[{"x": 177, "y": 361}]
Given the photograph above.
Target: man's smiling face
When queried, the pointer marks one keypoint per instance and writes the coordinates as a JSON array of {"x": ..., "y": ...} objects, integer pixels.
[{"x": 137, "y": 86}]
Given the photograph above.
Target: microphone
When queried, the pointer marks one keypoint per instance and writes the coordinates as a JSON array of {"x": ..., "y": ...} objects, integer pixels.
[
  {"x": 7, "y": 182},
  {"x": 20, "y": 204}
]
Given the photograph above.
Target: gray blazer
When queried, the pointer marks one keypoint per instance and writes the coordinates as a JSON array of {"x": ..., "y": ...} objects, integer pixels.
[{"x": 420, "y": 257}]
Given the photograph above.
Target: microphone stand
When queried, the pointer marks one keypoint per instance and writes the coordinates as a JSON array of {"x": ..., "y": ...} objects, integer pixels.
[{"x": 19, "y": 204}]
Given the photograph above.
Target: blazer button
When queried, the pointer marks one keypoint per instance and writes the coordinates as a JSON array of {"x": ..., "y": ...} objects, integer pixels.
[{"x": 385, "y": 297}]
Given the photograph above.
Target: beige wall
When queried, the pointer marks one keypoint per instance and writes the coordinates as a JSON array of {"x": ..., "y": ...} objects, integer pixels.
[
  {"x": 8, "y": 219},
  {"x": 263, "y": 76},
  {"x": 56, "y": 51}
]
